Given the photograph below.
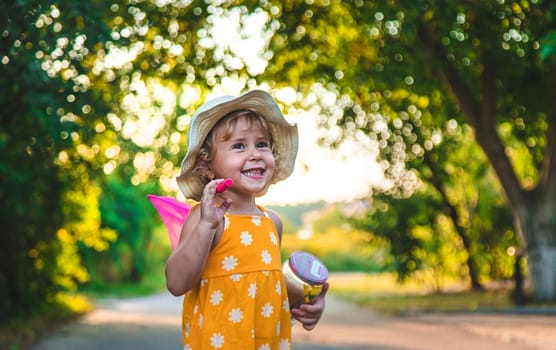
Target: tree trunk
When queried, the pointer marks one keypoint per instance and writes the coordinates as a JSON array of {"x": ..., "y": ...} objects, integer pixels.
[
  {"x": 461, "y": 231},
  {"x": 538, "y": 233},
  {"x": 542, "y": 271},
  {"x": 518, "y": 294},
  {"x": 536, "y": 221},
  {"x": 534, "y": 211},
  {"x": 540, "y": 214}
]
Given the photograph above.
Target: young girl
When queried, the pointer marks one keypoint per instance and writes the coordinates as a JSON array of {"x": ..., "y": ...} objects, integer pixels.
[{"x": 227, "y": 262}]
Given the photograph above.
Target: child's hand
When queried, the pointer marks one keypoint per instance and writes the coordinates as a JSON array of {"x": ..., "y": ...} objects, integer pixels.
[
  {"x": 212, "y": 210},
  {"x": 310, "y": 314}
]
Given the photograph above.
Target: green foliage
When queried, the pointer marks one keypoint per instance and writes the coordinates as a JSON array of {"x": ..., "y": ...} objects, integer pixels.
[
  {"x": 340, "y": 251},
  {"x": 423, "y": 242},
  {"x": 389, "y": 74},
  {"x": 79, "y": 102},
  {"x": 397, "y": 221},
  {"x": 327, "y": 235},
  {"x": 38, "y": 122},
  {"x": 436, "y": 302},
  {"x": 418, "y": 71},
  {"x": 60, "y": 131},
  {"x": 548, "y": 40},
  {"x": 125, "y": 209}
]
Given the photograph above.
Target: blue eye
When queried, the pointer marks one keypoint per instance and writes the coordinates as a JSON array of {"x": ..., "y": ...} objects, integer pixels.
[
  {"x": 263, "y": 144},
  {"x": 238, "y": 146}
]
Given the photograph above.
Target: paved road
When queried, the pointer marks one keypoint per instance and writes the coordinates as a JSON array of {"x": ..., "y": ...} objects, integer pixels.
[{"x": 154, "y": 323}]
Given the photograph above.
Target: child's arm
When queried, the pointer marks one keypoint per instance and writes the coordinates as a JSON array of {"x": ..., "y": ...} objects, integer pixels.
[
  {"x": 310, "y": 314},
  {"x": 187, "y": 262}
]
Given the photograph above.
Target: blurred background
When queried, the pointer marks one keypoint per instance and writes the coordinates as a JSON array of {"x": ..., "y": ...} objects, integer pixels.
[{"x": 427, "y": 158}]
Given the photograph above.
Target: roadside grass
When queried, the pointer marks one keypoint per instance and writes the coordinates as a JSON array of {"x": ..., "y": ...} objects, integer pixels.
[
  {"x": 151, "y": 283},
  {"x": 383, "y": 293},
  {"x": 22, "y": 333}
]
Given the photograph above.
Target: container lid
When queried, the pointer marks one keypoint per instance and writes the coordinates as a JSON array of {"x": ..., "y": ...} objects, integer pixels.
[{"x": 308, "y": 268}]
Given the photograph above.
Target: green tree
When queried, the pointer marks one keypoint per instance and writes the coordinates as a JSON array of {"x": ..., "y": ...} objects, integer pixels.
[
  {"x": 458, "y": 171},
  {"x": 124, "y": 209},
  {"x": 74, "y": 76},
  {"x": 476, "y": 62},
  {"x": 80, "y": 83},
  {"x": 434, "y": 231},
  {"x": 165, "y": 62},
  {"x": 45, "y": 107}
]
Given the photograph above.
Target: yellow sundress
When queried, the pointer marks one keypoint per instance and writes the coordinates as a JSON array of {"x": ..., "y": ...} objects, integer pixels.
[{"x": 241, "y": 302}]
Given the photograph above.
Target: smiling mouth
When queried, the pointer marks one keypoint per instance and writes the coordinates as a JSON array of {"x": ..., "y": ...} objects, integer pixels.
[{"x": 253, "y": 172}]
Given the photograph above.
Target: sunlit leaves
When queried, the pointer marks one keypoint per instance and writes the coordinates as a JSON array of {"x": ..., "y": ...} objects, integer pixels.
[
  {"x": 415, "y": 74},
  {"x": 394, "y": 67},
  {"x": 93, "y": 88},
  {"x": 49, "y": 123},
  {"x": 86, "y": 226},
  {"x": 71, "y": 271}
]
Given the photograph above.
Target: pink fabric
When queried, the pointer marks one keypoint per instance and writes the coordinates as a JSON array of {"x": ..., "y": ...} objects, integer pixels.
[{"x": 173, "y": 214}]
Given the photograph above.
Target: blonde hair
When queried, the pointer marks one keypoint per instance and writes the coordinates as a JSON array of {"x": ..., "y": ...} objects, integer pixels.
[{"x": 229, "y": 123}]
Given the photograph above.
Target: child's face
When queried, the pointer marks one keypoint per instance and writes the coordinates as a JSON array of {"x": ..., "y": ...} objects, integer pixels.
[{"x": 245, "y": 156}]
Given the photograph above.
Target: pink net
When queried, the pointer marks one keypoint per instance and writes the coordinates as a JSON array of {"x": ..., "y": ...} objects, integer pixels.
[{"x": 173, "y": 214}]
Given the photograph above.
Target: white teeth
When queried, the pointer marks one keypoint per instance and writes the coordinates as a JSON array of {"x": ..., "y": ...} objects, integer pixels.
[{"x": 253, "y": 172}]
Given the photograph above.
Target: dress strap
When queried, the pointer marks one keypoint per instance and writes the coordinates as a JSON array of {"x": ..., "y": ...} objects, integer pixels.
[{"x": 264, "y": 211}]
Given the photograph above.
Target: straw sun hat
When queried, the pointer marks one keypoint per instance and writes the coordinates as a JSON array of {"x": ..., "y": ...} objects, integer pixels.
[{"x": 284, "y": 137}]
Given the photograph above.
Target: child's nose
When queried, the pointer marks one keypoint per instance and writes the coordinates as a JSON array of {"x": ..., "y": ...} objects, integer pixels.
[{"x": 254, "y": 152}]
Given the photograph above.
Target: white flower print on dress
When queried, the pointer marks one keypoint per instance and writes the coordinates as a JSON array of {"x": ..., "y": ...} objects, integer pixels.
[
  {"x": 267, "y": 310},
  {"x": 229, "y": 263},
  {"x": 252, "y": 290},
  {"x": 235, "y": 315},
  {"x": 266, "y": 257},
  {"x": 256, "y": 220},
  {"x": 286, "y": 305},
  {"x": 264, "y": 347},
  {"x": 273, "y": 238},
  {"x": 217, "y": 340},
  {"x": 186, "y": 347},
  {"x": 236, "y": 277},
  {"x": 246, "y": 238},
  {"x": 201, "y": 319},
  {"x": 216, "y": 297},
  {"x": 284, "y": 344},
  {"x": 226, "y": 222},
  {"x": 278, "y": 287}
]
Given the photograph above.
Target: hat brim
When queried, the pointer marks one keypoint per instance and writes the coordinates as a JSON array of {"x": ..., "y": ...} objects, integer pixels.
[{"x": 284, "y": 135}]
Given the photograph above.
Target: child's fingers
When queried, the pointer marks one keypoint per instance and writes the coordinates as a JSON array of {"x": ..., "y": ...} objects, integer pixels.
[
  {"x": 212, "y": 207},
  {"x": 310, "y": 314},
  {"x": 309, "y": 325},
  {"x": 308, "y": 320},
  {"x": 312, "y": 309},
  {"x": 209, "y": 191}
]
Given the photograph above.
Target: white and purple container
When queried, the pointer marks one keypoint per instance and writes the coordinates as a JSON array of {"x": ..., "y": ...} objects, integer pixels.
[{"x": 306, "y": 272}]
